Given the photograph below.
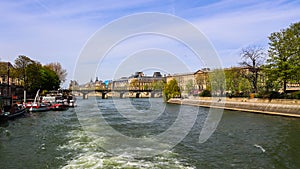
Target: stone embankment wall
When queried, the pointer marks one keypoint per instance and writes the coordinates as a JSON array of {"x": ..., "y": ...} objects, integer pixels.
[{"x": 292, "y": 108}]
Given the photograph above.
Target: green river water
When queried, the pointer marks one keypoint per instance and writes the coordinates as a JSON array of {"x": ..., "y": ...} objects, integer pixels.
[{"x": 63, "y": 139}]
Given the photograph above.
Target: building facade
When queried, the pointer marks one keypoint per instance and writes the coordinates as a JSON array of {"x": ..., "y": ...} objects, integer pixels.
[
  {"x": 191, "y": 83},
  {"x": 11, "y": 88},
  {"x": 138, "y": 81}
]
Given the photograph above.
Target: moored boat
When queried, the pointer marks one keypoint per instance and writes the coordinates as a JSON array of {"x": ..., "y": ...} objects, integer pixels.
[
  {"x": 60, "y": 97},
  {"x": 15, "y": 111},
  {"x": 72, "y": 103},
  {"x": 36, "y": 106},
  {"x": 59, "y": 107}
]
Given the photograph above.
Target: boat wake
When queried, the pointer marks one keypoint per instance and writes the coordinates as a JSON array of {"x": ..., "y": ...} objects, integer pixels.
[{"x": 88, "y": 153}]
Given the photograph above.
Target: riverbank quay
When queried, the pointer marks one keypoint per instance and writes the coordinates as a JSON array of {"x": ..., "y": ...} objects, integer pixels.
[{"x": 290, "y": 108}]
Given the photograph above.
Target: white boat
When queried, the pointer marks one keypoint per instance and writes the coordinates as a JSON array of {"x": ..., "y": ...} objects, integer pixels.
[{"x": 36, "y": 106}]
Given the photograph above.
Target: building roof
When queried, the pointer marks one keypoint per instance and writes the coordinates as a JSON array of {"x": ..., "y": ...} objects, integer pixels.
[{"x": 191, "y": 73}]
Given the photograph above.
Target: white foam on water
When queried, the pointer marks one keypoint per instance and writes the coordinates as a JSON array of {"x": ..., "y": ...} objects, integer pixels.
[
  {"x": 260, "y": 147},
  {"x": 86, "y": 161},
  {"x": 90, "y": 155}
]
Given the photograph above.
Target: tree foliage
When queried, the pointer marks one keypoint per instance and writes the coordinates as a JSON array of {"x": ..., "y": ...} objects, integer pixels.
[
  {"x": 217, "y": 82},
  {"x": 202, "y": 81},
  {"x": 41, "y": 77},
  {"x": 49, "y": 79},
  {"x": 20, "y": 66},
  {"x": 35, "y": 76},
  {"x": 171, "y": 90},
  {"x": 158, "y": 85},
  {"x": 57, "y": 68},
  {"x": 3, "y": 68},
  {"x": 236, "y": 83},
  {"x": 134, "y": 84},
  {"x": 284, "y": 54},
  {"x": 189, "y": 86}
]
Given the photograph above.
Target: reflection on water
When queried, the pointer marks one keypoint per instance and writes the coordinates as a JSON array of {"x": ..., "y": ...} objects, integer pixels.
[{"x": 57, "y": 140}]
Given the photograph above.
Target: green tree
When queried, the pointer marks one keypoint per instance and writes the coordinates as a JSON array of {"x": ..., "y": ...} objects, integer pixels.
[
  {"x": 134, "y": 84},
  {"x": 3, "y": 68},
  {"x": 244, "y": 86},
  {"x": 236, "y": 81},
  {"x": 20, "y": 66},
  {"x": 33, "y": 77},
  {"x": 171, "y": 90},
  {"x": 158, "y": 85},
  {"x": 284, "y": 55},
  {"x": 41, "y": 77},
  {"x": 218, "y": 83},
  {"x": 233, "y": 77},
  {"x": 49, "y": 79},
  {"x": 189, "y": 86}
]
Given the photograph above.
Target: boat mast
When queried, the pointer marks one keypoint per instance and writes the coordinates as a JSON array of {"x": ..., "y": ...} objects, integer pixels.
[
  {"x": 36, "y": 96},
  {"x": 34, "y": 102}
]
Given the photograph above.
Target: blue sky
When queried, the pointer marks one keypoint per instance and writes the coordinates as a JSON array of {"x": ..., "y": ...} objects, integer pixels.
[{"x": 57, "y": 30}]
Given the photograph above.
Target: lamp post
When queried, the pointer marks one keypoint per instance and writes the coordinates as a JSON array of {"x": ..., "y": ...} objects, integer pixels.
[
  {"x": 8, "y": 88},
  {"x": 7, "y": 93}
]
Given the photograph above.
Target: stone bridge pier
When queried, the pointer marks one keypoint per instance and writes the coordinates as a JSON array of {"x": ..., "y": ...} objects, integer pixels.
[
  {"x": 103, "y": 95},
  {"x": 137, "y": 95},
  {"x": 121, "y": 95},
  {"x": 85, "y": 95}
]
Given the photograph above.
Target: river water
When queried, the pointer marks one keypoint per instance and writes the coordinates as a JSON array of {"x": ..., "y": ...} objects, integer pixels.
[{"x": 67, "y": 139}]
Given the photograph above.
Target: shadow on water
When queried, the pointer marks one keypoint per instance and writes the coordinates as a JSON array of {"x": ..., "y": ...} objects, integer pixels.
[
  {"x": 141, "y": 103},
  {"x": 4, "y": 124}
]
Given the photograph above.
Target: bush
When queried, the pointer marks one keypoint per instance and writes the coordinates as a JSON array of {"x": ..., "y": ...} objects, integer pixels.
[
  {"x": 275, "y": 95},
  {"x": 205, "y": 93},
  {"x": 295, "y": 95},
  {"x": 258, "y": 95},
  {"x": 237, "y": 95}
]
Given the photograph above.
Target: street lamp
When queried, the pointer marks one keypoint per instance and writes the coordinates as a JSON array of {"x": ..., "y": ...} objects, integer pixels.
[
  {"x": 8, "y": 88},
  {"x": 7, "y": 93}
]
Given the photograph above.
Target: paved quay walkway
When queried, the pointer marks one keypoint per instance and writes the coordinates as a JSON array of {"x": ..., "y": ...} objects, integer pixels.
[{"x": 276, "y": 108}]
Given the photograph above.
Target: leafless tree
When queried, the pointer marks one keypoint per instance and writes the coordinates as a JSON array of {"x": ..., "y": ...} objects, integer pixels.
[{"x": 253, "y": 58}]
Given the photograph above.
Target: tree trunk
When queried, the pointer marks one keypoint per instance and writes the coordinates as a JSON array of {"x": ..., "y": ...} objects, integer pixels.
[
  {"x": 284, "y": 85},
  {"x": 255, "y": 82}
]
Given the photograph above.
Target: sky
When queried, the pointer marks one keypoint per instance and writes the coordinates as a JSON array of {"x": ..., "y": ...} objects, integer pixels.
[{"x": 61, "y": 31}]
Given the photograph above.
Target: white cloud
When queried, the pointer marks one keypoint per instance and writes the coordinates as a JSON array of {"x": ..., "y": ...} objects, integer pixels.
[{"x": 246, "y": 25}]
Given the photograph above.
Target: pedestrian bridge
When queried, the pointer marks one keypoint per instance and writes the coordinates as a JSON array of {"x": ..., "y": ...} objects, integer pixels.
[{"x": 121, "y": 92}]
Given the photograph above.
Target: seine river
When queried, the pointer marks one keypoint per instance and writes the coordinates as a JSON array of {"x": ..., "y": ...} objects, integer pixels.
[{"x": 67, "y": 139}]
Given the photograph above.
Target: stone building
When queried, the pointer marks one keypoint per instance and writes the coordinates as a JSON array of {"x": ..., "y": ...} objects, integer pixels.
[
  {"x": 138, "y": 81},
  {"x": 191, "y": 83},
  {"x": 10, "y": 88}
]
